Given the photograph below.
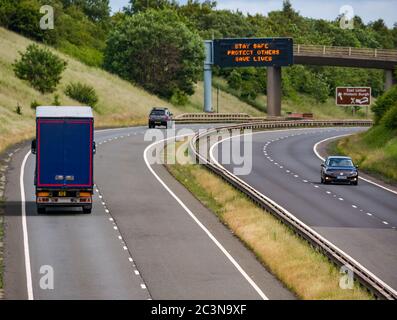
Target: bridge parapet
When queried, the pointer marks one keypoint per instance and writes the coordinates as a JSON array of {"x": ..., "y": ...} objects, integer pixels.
[{"x": 363, "y": 53}]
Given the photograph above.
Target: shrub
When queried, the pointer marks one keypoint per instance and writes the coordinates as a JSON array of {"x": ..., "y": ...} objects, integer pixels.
[
  {"x": 389, "y": 120},
  {"x": 18, "y": 109},
  {"x": 179, "y": 98},
  {"x": 384, "y": 103},
  {"x": 40, "y": 67},
  {"x": 56, "y": 101},
  {"x": 82, "y": 93},
  {"x": 34, "y": 104}
]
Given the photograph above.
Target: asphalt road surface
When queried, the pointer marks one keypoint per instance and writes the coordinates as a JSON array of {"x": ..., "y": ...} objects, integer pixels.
[
  {"x": 361, "y": 220},
  {"x": 139, "y": 242}
]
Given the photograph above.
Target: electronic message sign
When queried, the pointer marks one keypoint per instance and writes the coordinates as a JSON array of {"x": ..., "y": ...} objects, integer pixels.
[{"x": 253, "y": 52}]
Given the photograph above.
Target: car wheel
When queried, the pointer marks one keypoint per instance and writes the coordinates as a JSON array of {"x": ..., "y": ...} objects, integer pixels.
[
  {"x": 87, "y": 210},
  {"x": 41, "y": 210},
  {"x": 355, "y": 183}
]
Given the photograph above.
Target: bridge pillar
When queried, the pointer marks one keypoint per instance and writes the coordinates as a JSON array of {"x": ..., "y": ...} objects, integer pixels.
[
  {"x": 274, "y": 91},
  {"x": 208, "y": 76},
  {"x": 390, "y": 79}
]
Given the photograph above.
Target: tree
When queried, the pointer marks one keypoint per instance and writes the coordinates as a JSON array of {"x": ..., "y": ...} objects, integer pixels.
[
  {"x": 22, "y": 16},
  {"x": 40, "y": 67},
  {"x": 96, "y": 10},
  {"x": 136, "y": 6},
  {"x": 155, "y": 49},
  {"x": 384, "y": 103}
]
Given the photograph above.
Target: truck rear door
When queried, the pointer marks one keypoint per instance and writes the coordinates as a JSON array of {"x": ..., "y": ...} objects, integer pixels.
[
  {"x": 78, "y": 153},
  {"x": 64, "y": 153},
  {"x": 50, "y": 153}
]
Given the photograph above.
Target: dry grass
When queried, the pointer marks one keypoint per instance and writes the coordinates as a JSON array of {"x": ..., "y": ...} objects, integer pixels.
[
  {"x": 227, "y": 102},
  {"x": 306, "y": 272},
  {"x": 120, "y": 102},
  {"x": 375, "y": 151}
]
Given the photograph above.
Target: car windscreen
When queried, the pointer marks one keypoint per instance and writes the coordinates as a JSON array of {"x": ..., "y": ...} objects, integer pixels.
[
  {"x": 157, "y": 112},
  {"x": 335, "y": 162}
]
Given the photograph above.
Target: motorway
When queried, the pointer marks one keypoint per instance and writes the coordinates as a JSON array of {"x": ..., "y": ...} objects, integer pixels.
[
  {"x": 140, "y": 242},
  {"x": 361, "y": 220}
]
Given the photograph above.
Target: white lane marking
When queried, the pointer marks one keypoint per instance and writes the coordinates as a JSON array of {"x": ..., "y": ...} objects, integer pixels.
[
  {"x": 385, "y": 222},
  {"x": 341, "y": 199},
  {"x": 25, "y": 231},
  {"x": 130, "y": 259},
  {"x": 354, "y": 206},
  {"x": 136, "y": 272},
  {"x": 191, "y": 214},
  {"x": 304, "y": 180},
  {"x": 214, "y": 160},
  {"x": 365, "y": 179},
  {"x": 143, "y": 286}
]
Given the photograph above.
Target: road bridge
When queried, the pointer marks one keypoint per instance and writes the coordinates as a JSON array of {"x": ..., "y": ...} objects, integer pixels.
[{"x": 385, "y": 59}]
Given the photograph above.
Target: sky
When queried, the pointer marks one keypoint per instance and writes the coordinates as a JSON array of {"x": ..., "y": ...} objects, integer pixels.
[{"x": 368, "y": 10}]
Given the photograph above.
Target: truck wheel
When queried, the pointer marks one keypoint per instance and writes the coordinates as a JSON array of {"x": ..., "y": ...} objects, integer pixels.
[
  {"x": 87, "y": 210},
  {"x": 41, "y": 210}
]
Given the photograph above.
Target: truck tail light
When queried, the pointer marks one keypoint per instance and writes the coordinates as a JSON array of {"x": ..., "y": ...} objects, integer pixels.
[
  {"x": 85, "y": 194},
  {"x": 43, "y": 194}
]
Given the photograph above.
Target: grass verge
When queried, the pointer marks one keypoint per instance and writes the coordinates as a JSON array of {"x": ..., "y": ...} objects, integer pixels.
[
  {"x": 120, "y": 103},
  {"x": 1, "y": 244},
  {"x": 299, "y": 103},
  {"x": 302, "y": 269},
  {"x": 375, "y": 151}
]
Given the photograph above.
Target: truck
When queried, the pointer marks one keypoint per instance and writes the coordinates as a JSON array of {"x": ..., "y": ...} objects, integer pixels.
[{"x": 64, "y": 148}]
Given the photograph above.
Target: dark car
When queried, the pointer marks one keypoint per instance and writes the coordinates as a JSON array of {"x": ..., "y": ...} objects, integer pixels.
[
  {"x": 340, "y": 170},
  {"x": 160, "y": 117}
]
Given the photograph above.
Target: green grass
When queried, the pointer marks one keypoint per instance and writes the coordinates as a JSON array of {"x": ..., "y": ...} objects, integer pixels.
[
  {"x": 375, "y": 151},
  {"x": 299, "y": 103},
  {"x": 303, "y": 270},
  {"x": 1, "y": 241},
  {"x": 120, "y": 103}
]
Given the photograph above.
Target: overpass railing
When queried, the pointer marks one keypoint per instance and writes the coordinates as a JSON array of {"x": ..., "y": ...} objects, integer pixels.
[{"x": 318, "y": 50}]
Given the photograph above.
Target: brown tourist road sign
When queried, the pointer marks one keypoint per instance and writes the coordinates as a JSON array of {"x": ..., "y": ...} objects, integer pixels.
[{"x": 353, "y": 96}]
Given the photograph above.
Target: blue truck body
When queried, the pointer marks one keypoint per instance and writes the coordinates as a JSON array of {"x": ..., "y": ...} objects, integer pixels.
[{"x": 64, "y": 149}]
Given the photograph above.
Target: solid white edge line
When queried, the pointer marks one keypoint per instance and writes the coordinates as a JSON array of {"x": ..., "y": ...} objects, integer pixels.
[
  {"x": 25, "y": 234},
  {"x": 365, "y": 179},
  {"x": 25, "y": 231},
  {"x": 384, "y": 284},
  {"x": 217, "y": 243}
]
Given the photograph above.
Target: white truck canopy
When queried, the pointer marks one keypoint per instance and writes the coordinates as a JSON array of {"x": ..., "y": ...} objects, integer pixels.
[{"x": 63, "y": 112}]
